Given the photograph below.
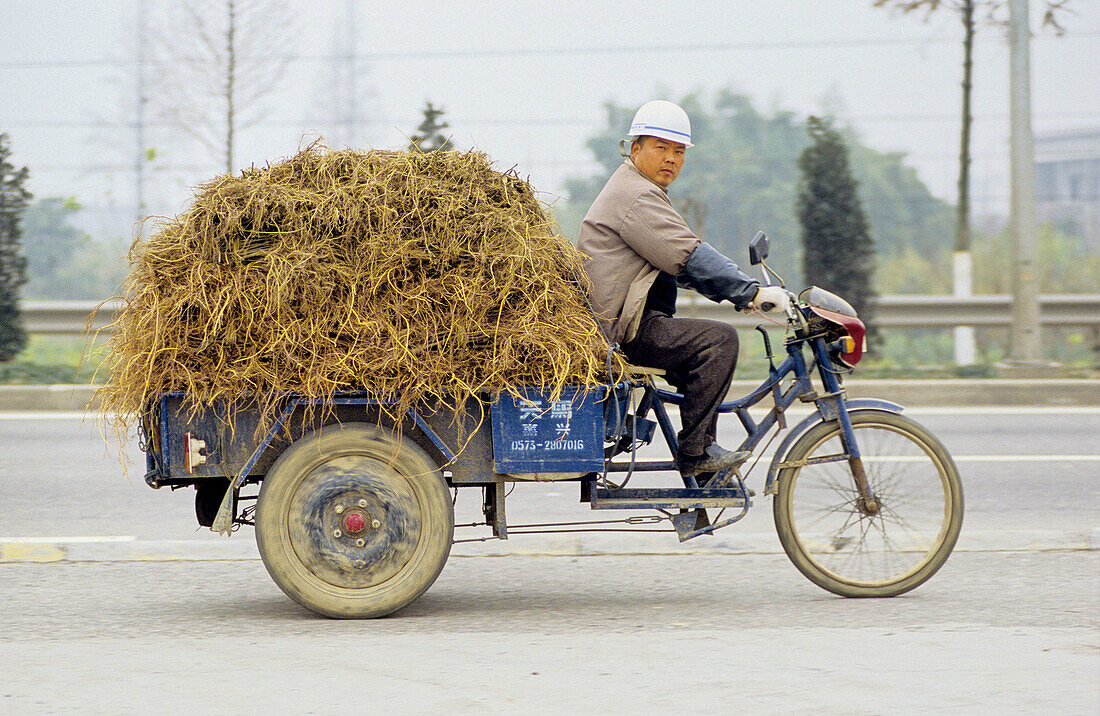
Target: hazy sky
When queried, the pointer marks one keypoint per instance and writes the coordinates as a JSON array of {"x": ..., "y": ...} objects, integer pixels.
[{"x": 525, "y": 81}]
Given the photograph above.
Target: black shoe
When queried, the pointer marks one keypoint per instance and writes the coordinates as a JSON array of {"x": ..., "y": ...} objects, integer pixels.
[{"x": 714, "y": 459}]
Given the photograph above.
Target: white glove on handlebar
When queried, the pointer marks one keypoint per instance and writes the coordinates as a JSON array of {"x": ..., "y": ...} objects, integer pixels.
[{"x": 772, "y": 299}]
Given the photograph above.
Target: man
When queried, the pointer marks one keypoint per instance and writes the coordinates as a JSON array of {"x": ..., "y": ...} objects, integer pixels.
[{"x": 638, "y": 250}]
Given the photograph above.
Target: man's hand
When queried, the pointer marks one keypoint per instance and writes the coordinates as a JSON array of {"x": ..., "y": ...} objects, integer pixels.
[{"x": 772, "y": 299}]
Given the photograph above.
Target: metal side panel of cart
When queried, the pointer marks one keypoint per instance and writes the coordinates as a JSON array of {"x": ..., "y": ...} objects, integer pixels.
[
  {"x": 532, "y": 436},
  {"x": 227, "y": 430},
  {"x": 536, "y": 432}
]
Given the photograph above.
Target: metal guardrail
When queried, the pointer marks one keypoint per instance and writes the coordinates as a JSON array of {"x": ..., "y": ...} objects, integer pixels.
[
  {"x": 67, "y": 318},
  {"x": 73, "y": 318},
  {"x": 995, "y": 310},
  {"x": 912, "y": 311}
]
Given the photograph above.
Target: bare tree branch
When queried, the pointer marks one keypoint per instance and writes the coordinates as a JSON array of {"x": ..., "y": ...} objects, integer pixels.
[
  {"x": 967, "y": 10},
  {"x": 215, "y": 61},
  {"x": 1052, "y": 17}
]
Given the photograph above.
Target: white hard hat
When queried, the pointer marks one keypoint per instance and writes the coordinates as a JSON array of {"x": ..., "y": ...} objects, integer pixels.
[{"x": 663, "y": 119}]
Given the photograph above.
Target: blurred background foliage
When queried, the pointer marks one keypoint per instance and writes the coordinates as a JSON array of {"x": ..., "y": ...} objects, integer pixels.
[{"x": 741, "y": 176}]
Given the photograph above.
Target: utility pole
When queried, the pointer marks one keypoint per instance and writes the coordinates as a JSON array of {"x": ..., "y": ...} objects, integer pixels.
[
  {"x": 351, "y": 89},
  {"x": 230, "y": 83},
  {"x": 1025, "y": 334},
  {"x": 139, "y": 112},
  {"x": 965, "y": 343}
]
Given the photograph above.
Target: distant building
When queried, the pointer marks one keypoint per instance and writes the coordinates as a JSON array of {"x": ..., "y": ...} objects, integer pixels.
[{"x": 1067, "y": 181}]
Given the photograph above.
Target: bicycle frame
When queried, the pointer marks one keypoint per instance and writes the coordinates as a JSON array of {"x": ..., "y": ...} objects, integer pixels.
[{"x": 831, "y": 405}]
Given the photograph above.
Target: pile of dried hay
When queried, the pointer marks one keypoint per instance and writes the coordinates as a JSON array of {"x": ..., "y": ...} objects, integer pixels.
[{"x": 413, "y": 275}]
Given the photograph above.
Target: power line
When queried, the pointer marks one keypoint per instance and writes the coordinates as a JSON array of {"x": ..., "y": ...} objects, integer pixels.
[
  {"x": 923, "y": 157},
  {"x": 502, "y": 122},
  {"x": 856, "y": 43}
]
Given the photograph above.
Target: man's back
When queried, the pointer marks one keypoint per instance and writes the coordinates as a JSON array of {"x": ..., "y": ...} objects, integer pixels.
[{"x": 629, "y": 235}]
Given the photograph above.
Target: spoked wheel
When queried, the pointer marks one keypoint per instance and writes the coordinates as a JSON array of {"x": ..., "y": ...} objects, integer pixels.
[
  {"x": 353, "y": 521},
  {"x": 880, "y": 547}
]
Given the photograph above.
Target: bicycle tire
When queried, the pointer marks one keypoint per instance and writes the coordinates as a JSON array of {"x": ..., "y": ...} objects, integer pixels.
[{"x": 840, "y": 547}]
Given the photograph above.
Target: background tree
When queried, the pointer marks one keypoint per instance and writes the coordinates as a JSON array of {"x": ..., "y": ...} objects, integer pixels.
[
  {"x": 968, "y": 12},
  {"x": 743, "y": 176},
  {"x": 837, "y": 251},
  {"x": 13, "y": 200},
  {"x": 64, "y": 262},
  {"x": 429, "y": 136},
  {"x": 215, "y": 60}
]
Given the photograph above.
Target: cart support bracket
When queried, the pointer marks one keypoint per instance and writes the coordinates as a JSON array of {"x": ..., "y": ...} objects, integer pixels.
[
  {"x": 690, "y": 523},
  {"x": 493, "y": 507}
]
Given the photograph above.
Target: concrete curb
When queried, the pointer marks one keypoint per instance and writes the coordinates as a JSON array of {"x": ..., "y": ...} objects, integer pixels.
[
  {"x": 984, "y": 392},
  {"x": 911, "y": 393},
  {"x": 66, "y": 398},
  {"x": 243, "y": 547}
]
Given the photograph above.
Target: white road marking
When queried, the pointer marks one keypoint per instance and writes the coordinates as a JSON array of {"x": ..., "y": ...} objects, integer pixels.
[
  {"x": 1008, "y": 410},
  {"x": 48, "y": 415},
  {"x": 1026, "y": 458},
  {"x": 792, "y": 412},
  {"x": 990, "y": 458},
  {"x": 767, "y": 457},
  {"x": 802, "y": 410}
]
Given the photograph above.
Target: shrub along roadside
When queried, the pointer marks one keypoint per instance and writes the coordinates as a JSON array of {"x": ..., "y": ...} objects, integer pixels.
[
  {"x": 19, "y": 372},
  {"x": 54, "y": 360}
]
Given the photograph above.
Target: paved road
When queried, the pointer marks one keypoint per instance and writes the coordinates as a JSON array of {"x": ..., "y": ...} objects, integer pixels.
[
  {"x": 1013, "y": 632},
  {"x": 102, "y": 616},
  {"x": 1028, "y": 475}
]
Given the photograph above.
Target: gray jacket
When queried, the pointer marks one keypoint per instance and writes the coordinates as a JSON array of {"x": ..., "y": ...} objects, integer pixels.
[{"x": 629, "y": 235}]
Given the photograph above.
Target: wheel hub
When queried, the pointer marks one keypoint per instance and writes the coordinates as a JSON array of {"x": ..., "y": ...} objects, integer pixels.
[
  {"x": 870, "y": 506},
  {"x": 354, "y": 523},
  {"x": 357, "y": 522}
]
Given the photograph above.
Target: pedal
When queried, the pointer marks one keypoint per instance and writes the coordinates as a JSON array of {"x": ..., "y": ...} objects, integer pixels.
[
  {"x": 727, "y": 479},
  {"x": 689, "y": 523},
  {"x": 644, "y": 431}
]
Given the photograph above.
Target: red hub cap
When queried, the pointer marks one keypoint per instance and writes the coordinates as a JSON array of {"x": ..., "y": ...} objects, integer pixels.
[{"x": 354, "y": 523}]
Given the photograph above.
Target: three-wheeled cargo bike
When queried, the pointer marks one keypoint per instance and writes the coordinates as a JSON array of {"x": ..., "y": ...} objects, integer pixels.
[{"x": 354, "y": 514}]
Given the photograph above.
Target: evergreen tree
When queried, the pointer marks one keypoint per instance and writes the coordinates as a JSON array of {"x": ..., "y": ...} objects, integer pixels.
[
  {"x": 837, "y": 251},
  {"x": 429, "y": 137},
  {"x": 13, "y": 200}
]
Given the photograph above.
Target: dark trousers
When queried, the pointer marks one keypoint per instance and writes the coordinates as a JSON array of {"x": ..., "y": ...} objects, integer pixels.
[{"x": 698, "y": 357}]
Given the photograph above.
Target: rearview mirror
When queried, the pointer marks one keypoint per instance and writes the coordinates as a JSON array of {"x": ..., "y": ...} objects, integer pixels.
[{"x": 758, "y": 248}]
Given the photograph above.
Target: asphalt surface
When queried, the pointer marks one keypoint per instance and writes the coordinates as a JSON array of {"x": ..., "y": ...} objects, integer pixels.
[
  {"x": 1003, "y": 632},
  {"x": 116, "y": 602},
  {"x": 1029, "y": 477}
]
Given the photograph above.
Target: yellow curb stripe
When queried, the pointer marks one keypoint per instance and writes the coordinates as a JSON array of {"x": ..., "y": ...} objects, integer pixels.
[{"x": 31, "y": 552}]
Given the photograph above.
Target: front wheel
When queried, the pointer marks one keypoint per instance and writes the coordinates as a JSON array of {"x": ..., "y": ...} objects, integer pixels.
[
  {"x": 354, "y": 521},
  {"x": 880, "y": 548}
]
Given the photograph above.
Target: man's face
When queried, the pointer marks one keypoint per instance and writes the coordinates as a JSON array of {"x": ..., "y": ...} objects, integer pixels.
[{"x": 658, "y": 159}]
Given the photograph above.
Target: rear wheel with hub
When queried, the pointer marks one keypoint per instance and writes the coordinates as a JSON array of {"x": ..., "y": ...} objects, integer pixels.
[{"x": 353, "y": 521}]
